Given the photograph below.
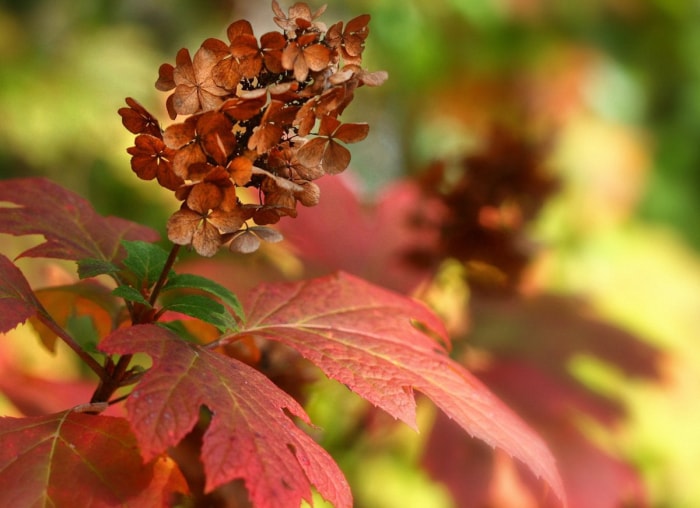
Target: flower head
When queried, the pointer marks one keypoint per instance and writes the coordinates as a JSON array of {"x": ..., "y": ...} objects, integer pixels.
[{"x": 259, "y": 113}]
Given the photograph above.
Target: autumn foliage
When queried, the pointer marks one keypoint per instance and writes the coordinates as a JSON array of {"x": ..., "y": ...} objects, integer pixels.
[{"x": 197, "y": 397}]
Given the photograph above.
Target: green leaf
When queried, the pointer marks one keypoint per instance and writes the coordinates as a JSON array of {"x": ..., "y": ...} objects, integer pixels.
[
  {"x": 145, "y": 260},
  {"x": 131, "y": 294},
  {"x": 206, "y": 309},
  {"x": 190, "y": 281},
  {"x": 83, "y": 330},
  {"x": 92, "y": 267}
]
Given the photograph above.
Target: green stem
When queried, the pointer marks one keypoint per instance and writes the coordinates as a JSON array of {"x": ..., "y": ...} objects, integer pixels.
[{"x": 117, "y": 376}]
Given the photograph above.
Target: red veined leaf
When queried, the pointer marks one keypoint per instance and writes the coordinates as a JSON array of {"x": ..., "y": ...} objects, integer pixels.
[
  {"x": 250, "y": 436},
  {"x": 592, "y": 475},
  {"x": 72, "y": 228},
  {"x": 366, "y": 337},
  {"x": 17, "y": 301},
  {"x": 74, "y": 459}
]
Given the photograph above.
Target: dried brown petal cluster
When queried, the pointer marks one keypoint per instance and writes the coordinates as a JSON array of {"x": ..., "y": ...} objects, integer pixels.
[
  {"x": 486, "y": 207},
  {"x": 252, "y": 107}
]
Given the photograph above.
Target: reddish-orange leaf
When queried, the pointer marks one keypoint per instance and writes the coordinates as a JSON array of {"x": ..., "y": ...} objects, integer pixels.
[
  {"x": 71, "y": 227},
  {"x": 27, "y": 392},
  {"x": 17, "y": 301},
  {"x": 250, "y": 436},
  {"x": 85, "y": 298},
  {"x": 365, "y": 337},
  {"x": 74, "y": 459}
]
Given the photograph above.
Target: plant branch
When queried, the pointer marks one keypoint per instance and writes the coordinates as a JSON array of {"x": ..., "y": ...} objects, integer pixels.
[
  {"x": 48, "y": 321},
  {"x": 164, "y": 274}
]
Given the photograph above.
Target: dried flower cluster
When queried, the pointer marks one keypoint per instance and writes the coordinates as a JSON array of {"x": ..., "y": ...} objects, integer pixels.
[
  {"x": 486, "y": 203},
  {"x": 260, "y": 113}
]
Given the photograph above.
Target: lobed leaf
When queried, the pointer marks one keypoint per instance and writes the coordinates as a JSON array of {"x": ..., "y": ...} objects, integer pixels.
[
  {"x": 364, "y": 336},
  {"x": 74, "y": 459},
  {"x": 250, "y": 435},
  {"x": 72, "y": 228},
  {"x": 17, "y": 301}
]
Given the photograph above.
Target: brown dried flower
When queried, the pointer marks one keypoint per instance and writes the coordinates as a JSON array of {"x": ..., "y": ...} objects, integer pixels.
[{"x": 251, "y": 108}]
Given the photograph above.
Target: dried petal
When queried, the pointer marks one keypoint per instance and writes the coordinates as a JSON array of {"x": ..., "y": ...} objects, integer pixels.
[
  {"x": 204, "y": 197},
  {"x": 241, "y": 170},
  {"x": 245, "y": 242},
  {"x": 137, "y": 120},
  {"x": 336, "y": 158},
  {"x": 310, "y": 195},
  {"x": 311, "y": 153},
  {"x": 351, "y": 132}
]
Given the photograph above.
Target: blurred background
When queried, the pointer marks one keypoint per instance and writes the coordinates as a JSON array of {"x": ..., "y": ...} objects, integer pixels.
[{"x": 609, "y": 90}]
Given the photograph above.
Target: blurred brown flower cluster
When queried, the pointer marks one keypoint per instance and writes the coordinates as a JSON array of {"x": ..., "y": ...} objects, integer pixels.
[
  {"x": 260, "y": 113},
  {"x": 482, "y": 207}
]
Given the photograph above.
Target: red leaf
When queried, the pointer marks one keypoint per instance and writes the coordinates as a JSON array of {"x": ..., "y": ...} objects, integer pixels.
[
  {"x": 363, "y": 336},
  {"x": 250, "y": 435},
  {"x": 385, "y": 228},
  {"x": 74, "y": 459},
  {"x": 72, "y": 228},
  {"x": 17, "y": 301}
]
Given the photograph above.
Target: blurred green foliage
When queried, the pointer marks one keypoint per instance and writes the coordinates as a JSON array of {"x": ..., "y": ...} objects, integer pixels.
[{"x": 67, "y": 65}]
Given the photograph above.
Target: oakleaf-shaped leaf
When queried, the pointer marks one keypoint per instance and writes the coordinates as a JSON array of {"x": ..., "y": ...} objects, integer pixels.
[
  {"x": 17, "y": 301},
  {"x": 365, "y": 337},
  {"x": 250, "y": 436},
  {"x": 74, "y": 459},
  {"x": 72, "y": 228}
]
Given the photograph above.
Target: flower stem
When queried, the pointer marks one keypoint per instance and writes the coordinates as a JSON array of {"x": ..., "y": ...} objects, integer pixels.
[{"x": 164, "y": 274}]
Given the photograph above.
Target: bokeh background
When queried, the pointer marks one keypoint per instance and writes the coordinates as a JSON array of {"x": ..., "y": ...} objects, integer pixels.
[{"x": 613, "y": 86}]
